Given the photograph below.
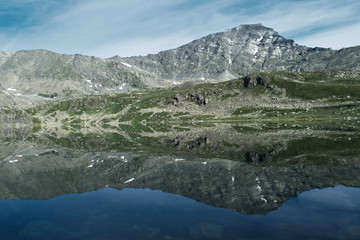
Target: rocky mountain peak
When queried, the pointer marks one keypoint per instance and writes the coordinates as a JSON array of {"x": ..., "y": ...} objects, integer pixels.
[
  {"x": 250, "y": 28},
  {"x": 224, "y": 55}
]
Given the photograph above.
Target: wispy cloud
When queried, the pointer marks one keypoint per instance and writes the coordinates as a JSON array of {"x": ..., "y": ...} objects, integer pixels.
[{"x": 106, "y": 28}]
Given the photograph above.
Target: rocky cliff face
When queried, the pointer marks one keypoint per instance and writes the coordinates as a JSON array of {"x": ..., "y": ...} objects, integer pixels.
[{"x": 243, "y": 50}]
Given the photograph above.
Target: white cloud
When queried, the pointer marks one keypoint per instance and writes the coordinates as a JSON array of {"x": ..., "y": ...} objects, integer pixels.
[
  {"x": 335, "y": 38},
  {"x": 106, "y": 28},
  {"x": 141, "y": 46}
]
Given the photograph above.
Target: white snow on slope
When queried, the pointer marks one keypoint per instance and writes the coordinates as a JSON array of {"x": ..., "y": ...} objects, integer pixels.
[
  {"x": 126, "y": 64},
  {"x": 130, "y": 180}
]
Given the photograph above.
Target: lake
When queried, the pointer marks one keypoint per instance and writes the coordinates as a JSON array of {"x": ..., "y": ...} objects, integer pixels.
[{"x": 225, "y": 181}]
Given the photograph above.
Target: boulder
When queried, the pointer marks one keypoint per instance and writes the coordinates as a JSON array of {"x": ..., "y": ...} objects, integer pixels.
[
  {"x": 250, "y": 82},
  {"x": 252, "y": 157},
  {"x": 197, "y": 98},
  {"x": 262, "y": 80}
]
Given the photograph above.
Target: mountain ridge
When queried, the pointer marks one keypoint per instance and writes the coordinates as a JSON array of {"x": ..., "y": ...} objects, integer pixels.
[{"x": 217, "y": 57}]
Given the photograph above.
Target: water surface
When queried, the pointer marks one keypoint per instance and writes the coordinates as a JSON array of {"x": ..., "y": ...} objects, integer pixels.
[
  {"x": 331, "y": 213},
  {"x": 218, "y": 182}
]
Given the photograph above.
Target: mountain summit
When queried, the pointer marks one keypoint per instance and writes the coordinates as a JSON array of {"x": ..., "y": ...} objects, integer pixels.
[{"x": 242, "y": 50}]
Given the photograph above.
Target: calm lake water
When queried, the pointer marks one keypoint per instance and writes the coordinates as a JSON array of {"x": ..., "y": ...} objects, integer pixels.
[
  {"x": 220, "y": 182},
  {"x": 331, "y": 213}
]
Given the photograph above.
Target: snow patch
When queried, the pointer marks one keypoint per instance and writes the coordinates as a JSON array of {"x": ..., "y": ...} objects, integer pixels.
[
  {"x": 230, "y": 41},
  {"x": 259, "y": 40},
  {"x": 122, "y": 86},
  {"x": 126, "y": 64},
  {"x": 17, "y": 94},
  {"x": 204, "y": 163},
  {"x": 254, "y": 49},
  {"x": 258, "y": 181},
  {"x": 89, "y": 81},
  {"x": 233, "y": 179},
  {"x": 258, "y": 187},
  {"x": 176, "y": 83},
  {"x": 202, "y": 78},
  {"x": 130, "y": 180},
  {"x": 13, "y": 161},
  {"x": 263, "y": 198},
  {"x": 212, "y": 44},
  {"x": 124, "y": 159},
  {"x": 12, "y": 89},
  {"x": 91, "y": 165},
  {"x": 179, "y": 159},
  {"x": 19, "y": 156}
]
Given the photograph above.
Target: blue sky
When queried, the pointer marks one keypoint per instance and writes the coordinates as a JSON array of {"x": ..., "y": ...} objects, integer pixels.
[{"x": 106, "y": 28}]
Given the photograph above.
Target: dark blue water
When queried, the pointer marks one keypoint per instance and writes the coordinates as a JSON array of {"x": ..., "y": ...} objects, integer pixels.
[{"x": 332, "y": 213}]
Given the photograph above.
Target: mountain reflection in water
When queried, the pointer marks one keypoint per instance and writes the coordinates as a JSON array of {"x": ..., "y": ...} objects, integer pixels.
[{"x": 252, "y": 171}]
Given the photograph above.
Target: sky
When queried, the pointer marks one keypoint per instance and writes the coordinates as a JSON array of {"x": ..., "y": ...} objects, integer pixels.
[{"x": 105, "y": 28}]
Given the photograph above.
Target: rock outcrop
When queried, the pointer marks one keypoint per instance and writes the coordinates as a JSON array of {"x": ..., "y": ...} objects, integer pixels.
[{"x": 251, "y": 81}]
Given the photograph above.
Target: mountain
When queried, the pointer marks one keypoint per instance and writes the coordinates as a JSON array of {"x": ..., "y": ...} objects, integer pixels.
[
  {"x": 50, "y": 74},
  {"x": 220, "y": 56},
  {"x": 243, "y": 50}
]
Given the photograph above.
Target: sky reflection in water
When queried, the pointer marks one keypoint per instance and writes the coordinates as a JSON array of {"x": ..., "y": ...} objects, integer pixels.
[{"x": 332, "y": 213}]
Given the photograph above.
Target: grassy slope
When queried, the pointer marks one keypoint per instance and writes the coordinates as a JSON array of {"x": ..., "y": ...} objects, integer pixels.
[{"x": 293, "y": 96}]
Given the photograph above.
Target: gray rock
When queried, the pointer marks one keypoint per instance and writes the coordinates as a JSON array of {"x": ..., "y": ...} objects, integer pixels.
[
  {"x": 252, "y": 157},
  {"x": 250, "y": 82},
  {"x": 197, "y": 98},
  {"x": 263, "y": 80}
]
